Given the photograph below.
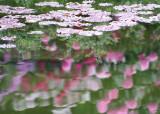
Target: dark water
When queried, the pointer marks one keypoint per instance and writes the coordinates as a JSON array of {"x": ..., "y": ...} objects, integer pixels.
[{"x": 89, "y": 57}]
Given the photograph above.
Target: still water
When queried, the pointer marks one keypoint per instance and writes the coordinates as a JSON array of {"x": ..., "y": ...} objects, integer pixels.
[{"x": 86, "y": 57}]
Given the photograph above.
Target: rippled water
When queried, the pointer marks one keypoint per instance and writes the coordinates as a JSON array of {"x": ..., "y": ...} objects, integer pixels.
[{"x": 91, "y": 57}]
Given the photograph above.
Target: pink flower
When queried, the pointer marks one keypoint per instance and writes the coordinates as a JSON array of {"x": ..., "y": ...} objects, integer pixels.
[
  {"x": 115, "y": 57},
  {"x": 129, "y": 71},
  {"x": 144, "y": 63},
  {"x": 76, "y": 46},
  {"x": 67, "y": 64},
  {"x": 113, "y": 94},
  {"x": 45, "y": 39},
  {"x": 122, "y": 110},
  {"x": 131, "y": 104},
  {"x": 102, "y": 106},
  {"x": 152, "y": 57},
  {"x": 152, "y": 108},
  {"x": 127, "y": 83}
]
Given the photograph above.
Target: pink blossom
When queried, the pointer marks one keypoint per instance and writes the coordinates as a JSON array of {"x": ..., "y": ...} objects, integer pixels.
[
  {"x": 45, "y": 39},
  {"x": 127, "y": 83},
  {"x": 115, "y": 56},
  {"x": 152, "y": 57},
  {"x": 152, "y": 108},
  {"x": 144, "y": 62},
  {"x": 129, "y": 71},
  {"x": 122, "y": 110},
  {"x": 131, "y": 104},
  {"x": 67, "y": 64},
  {"x": 76, "y": 46},
  {"x": 113, "y": 94},
  {"x": 102, "y": 106}
]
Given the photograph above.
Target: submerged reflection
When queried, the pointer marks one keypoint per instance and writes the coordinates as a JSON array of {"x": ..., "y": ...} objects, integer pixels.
[{"x": 65, "y": 83}]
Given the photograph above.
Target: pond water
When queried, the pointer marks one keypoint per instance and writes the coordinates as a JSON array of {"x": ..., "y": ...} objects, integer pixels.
[{"x": 86, "y": 57}]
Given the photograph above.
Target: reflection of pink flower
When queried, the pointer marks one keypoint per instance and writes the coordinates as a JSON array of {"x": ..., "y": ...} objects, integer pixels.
[
  {"x": 67, "y": 64},
  {"x": 152, "y": 57},
  {"x": 102, "y": 106},
  {"x": 41, "y": 86},
  {"x": 127, "y": 83},
  {"x": 103, "y": 74},
  {"x": 113, "y": 94},
  {"x": 152, "y": 108},
  {"x": 115, "y": 57},
  {"x": 58, "y": 100},
  {"x": 76, "y": 46},
  {"x": 7, "y": 56},
  {"x": 129, "y": 71},
  {"x": 89, "y": 60},
  {"x": 45, "y": 39},
  {"x": 91, "y": 70},
  {"x": 78, "y": 67},
  {"x": 131, "y": 104}
]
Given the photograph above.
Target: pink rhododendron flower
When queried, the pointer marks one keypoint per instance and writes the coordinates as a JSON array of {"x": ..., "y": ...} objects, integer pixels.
[
  {"x": 152, "y": 57},
  {"x": 45, "y": 39},
  {"x": 127, "y": 83},
  {"x": 129, "y": 71},
  {"x": 131, "y": 104},
  {"x": 122, "y": 110},
  {"x": 76, "y": 46},
  {"x": 152, "y": 108},
  {"x": 102, "y": 106},
  {"x": 67, "y": 64},
  {"x": 144, "y": 63},
  {"x": 115, "y": 57},
  {"x": 113, "y": 94}
]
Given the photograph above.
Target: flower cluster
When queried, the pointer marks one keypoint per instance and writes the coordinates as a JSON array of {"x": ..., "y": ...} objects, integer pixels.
[{"x": 15, "y": 10}]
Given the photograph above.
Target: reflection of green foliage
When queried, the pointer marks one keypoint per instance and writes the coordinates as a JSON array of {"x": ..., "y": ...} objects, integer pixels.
[{"x": 26, "y": 44}]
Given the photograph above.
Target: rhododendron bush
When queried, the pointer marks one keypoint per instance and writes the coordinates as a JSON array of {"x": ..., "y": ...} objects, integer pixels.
[{"x": 79, "y": 57}]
